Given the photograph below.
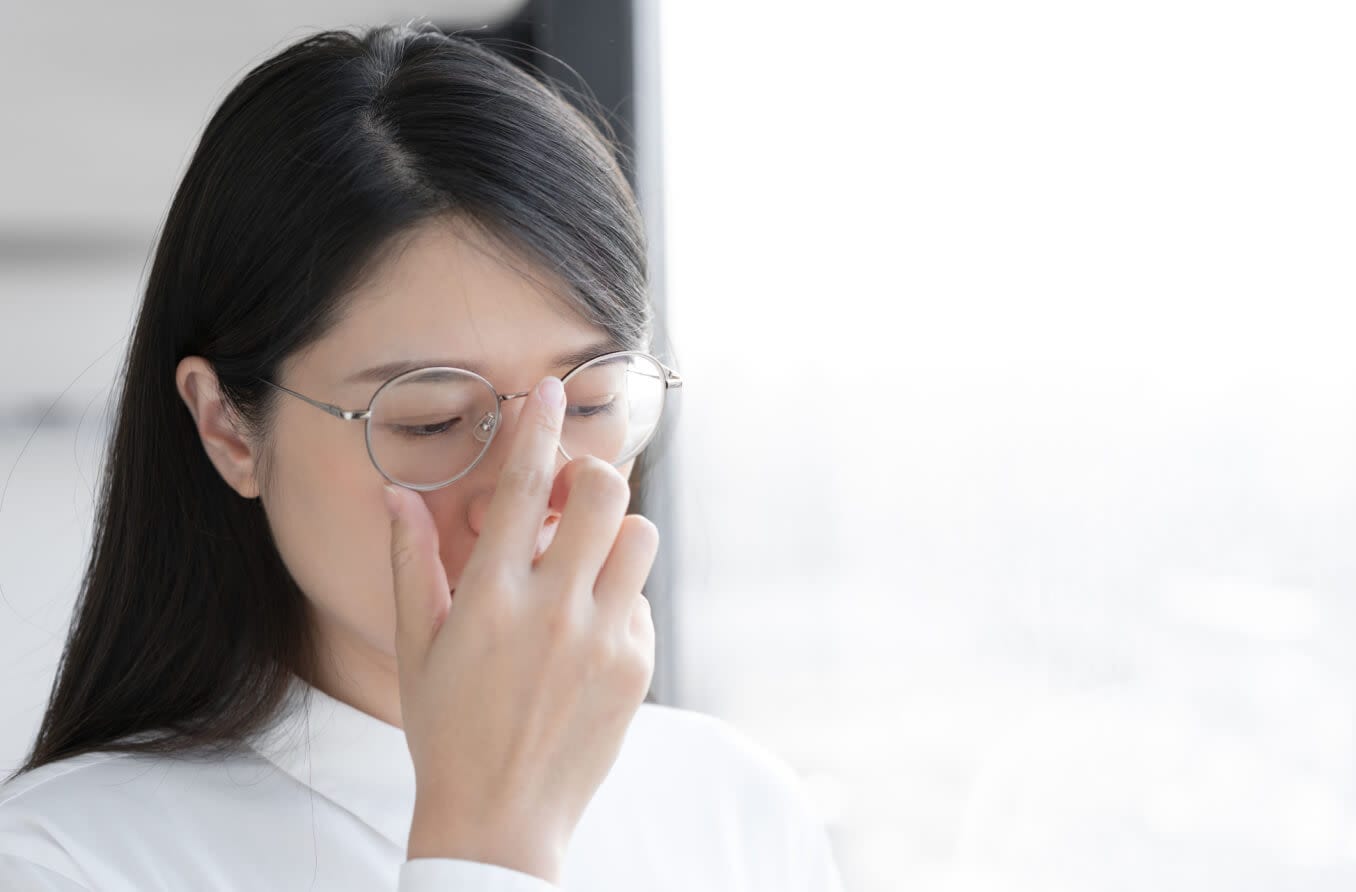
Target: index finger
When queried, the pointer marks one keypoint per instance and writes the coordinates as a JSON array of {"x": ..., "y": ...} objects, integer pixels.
[{"x": 513, "y": 518}]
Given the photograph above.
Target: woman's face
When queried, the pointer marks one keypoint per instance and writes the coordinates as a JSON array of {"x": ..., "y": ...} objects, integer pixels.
[{"x": 446, "y": 297}]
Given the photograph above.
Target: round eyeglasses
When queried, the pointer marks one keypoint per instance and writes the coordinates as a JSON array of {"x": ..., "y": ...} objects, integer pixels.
[{"x": 429, "y": 427}]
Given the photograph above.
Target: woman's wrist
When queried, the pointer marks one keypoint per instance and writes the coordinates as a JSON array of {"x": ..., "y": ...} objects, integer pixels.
[{"x": 436, "y": 833}]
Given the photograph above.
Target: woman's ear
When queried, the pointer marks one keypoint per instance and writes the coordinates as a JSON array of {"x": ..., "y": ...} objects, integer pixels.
[{"x": 227, "y": 447}]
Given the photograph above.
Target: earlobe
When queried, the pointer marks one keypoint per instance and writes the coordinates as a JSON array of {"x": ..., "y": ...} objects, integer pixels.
[{"x": 225, "y": 444}]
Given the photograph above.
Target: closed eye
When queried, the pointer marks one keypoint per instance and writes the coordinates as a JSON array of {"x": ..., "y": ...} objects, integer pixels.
[
  {"x": 432, "y": 429},
  {"x": 595, "y": 409}
]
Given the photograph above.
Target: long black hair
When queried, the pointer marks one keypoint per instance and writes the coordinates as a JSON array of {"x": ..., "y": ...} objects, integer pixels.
[{"x": 188, "y": 623}]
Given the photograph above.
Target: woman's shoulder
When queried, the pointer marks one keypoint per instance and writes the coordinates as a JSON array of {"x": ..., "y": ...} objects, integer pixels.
[
  {"x": 62, "y": 784},
  {"x": 709, "y": 752},
  {"x": 728, "y": 800},
  {"x": 103, "y": 813},
  {"x": 716, "y": 737},
  {"x": 44, "y": 810},
  {"x": 106, "y": 793}
]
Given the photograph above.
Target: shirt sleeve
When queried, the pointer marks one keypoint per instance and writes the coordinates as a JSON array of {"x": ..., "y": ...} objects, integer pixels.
[
  {"x": 815, "y": 868},
  {"x": 447, "y": 874},
  {"x": 21, "y": 875},
  {"x": 820, "y": 869}
]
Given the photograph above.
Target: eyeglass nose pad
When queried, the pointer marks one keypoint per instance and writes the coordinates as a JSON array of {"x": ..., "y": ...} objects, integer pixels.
[{"x": 484, "y": 428}]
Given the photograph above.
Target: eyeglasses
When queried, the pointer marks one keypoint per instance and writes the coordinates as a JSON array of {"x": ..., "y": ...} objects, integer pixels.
[{"x": 429, "y": 427}]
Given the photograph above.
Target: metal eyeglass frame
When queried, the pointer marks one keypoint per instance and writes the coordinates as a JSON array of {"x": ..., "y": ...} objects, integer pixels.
[{"x": 671, "y": 380}]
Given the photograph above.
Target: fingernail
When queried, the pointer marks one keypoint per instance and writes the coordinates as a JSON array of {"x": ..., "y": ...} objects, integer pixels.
[
  {"x": 392, "y": 499},
  {"x": 552, "y": 392}
]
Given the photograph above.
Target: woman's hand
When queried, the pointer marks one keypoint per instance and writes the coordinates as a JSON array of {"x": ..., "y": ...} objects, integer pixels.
[{"x": 516, "y": 693}]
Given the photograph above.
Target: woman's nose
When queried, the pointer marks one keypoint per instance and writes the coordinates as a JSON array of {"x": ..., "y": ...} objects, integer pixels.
[
  {"x": 489, "y": 470},
  {"x": 479, "y": 508}
]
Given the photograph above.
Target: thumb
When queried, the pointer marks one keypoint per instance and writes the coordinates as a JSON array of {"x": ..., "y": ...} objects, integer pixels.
[{"x": 421, "y": 595}]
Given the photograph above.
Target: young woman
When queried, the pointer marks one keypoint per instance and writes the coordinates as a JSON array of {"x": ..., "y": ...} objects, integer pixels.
[{"x": 364, "y": 608}]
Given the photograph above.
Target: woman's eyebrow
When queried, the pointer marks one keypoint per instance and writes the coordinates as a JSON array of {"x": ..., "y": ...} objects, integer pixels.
[{"x": 388, "y": 370}]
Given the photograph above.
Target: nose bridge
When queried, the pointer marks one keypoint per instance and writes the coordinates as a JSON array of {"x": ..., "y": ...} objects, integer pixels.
[
  {"x": 510, "y": 408},
  {"x": 491, "y": 464}
]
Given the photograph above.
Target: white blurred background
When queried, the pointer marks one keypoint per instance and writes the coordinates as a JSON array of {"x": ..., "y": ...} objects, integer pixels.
[{"x": 1017, "y": 463}]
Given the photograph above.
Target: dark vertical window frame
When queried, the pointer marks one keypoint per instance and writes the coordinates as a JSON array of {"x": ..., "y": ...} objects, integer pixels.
[{"x": 610, "y": 49}]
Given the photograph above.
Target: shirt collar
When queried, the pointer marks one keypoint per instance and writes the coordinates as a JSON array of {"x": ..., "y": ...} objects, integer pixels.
[{"x": 357, "y": 761}]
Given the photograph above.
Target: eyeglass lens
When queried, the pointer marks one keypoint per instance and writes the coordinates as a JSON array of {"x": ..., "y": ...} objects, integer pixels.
[{"x": 430, "y": 426}]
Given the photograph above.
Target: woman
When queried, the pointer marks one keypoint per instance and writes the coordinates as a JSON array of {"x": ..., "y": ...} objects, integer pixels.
[{"x": 364, "y": 609}]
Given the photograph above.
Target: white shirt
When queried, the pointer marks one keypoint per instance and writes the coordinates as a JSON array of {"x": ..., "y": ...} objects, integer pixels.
[{"x": 690, "y": 804}]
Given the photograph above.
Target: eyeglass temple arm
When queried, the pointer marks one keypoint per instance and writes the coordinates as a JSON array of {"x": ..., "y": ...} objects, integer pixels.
[{"x": 346, "y": 414}]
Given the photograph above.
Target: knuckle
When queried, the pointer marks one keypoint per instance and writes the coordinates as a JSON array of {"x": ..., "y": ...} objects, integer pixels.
[
  {"x": 638, "y": 667},
  {"x": 562, "y": 626},
  {"x": 602, "y": 483},
  {"x": 642, "y": 532},
  {"x": 589, "y": 460},
  {"x": 603, "y": 655},
  {"x": 498, "y": 581},
  {"x": 642, "y": 621},
  {"x": 526, "y": 481},
  {"x": 545, "y": 422},
  {"x": 493, "y": 604},
  {"x": 404, "y": 554},
  {"x": 641, "y": 612},
  {"x": 495, "y": 621}
]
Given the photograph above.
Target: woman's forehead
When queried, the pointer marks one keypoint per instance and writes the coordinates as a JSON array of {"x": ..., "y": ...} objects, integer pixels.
[
  {"x": 444, "y": 293},
  {"x": 447, "y": 271}
]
